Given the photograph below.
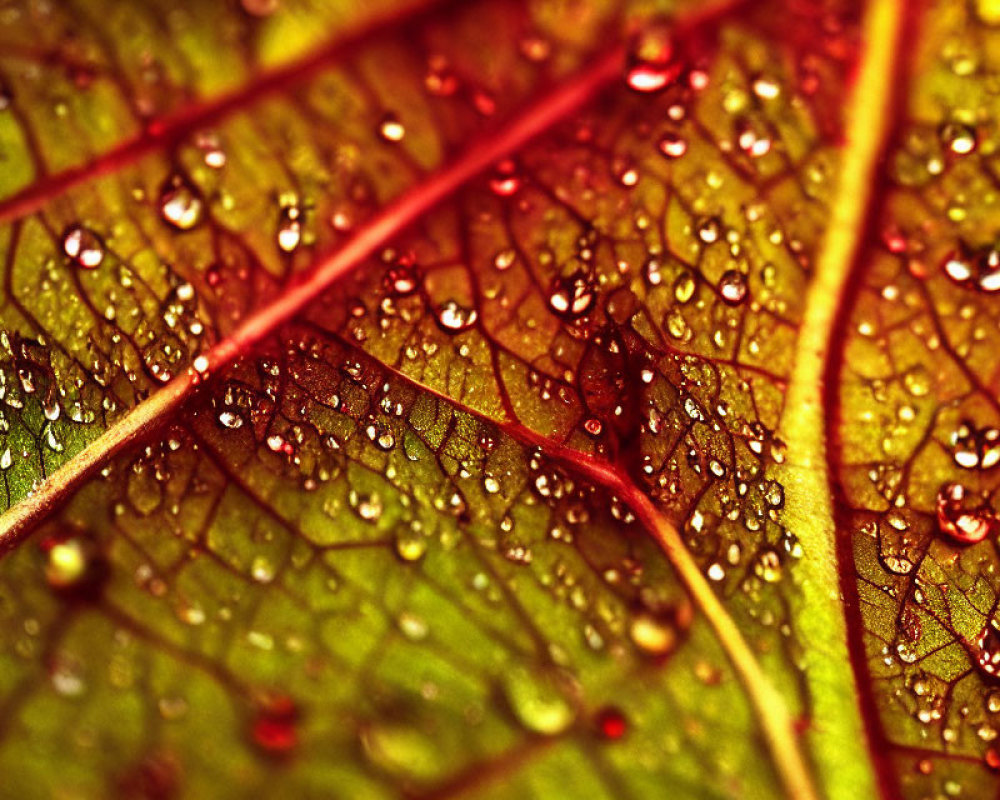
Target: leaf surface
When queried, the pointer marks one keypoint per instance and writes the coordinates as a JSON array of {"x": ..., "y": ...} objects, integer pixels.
[{"x": 400, "y": 401}]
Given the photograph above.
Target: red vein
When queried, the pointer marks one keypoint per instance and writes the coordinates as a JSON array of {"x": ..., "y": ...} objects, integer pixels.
[{"x": 168, "y": 130}]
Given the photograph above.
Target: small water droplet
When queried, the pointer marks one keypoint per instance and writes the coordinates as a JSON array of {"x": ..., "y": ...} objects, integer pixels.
[
  {"x": 611, "y": 723},
  {"x": 275, "y": 726},
  {"x": 180, "y": 204},
  {"x": 391, "y": 129},
  {"x": 454, "y": 318},
  {"x": 733, "y": 287},
  {"x": 504, "y": 181},
  {"x": 654, "y": 635},
  {"x": 959, "y": 139},
  {"x": 652, "y": 65},
  {"x": 537, "y": 701},
  {"x": 289, "y": 227},
  {"x": 572, "y": 296},
  {"x": 83, "y": 246},
  {"x": 410, "y": 545},
  {"x": 672, "y": 145}
]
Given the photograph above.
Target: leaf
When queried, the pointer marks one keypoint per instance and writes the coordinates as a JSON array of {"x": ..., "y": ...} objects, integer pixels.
[
  {"x": 423, "y": 400},
  {"x": 912, "y": 390}
]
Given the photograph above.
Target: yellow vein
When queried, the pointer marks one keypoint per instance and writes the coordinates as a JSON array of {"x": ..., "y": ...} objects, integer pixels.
[{"x": 809, "y": 507}]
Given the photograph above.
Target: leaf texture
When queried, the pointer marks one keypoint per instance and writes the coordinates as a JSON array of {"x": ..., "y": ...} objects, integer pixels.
[{"x": 394, "y": 399}]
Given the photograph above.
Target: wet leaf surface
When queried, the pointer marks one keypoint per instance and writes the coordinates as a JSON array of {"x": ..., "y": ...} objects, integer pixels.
[{"x": 406, "y": 400}]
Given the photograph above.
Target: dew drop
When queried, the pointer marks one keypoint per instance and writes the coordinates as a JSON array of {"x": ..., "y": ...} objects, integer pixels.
[
  {"x": 974, "y": 270},
  {"x": 410, "y": 545},
  {"x": 504, "y": 180},
  {"x": 537, "y": 702},
  {"x": 454, "y": 318},
  {"x": 611, "y": 723},
  {"x": 652, "y": 65},
  {"x": 733, "y": 287},
  {"x": 504, "y": 259},
  {"x": 987, "y": 650},
  {"x": 572, "y": 296},
  {"x": 391, "y": 129},
  {"x": 83, "y": 246},
  {"x": 653, "y": 635},
  {"x": 959, "y": 139},
  {"x": 180, "y": 204},
  {"x": 289, "y": 233},
  {"x": 672, "y": 145},
  {"x": 66, "y": 562},
  {"x": 709, "y": 230},
  {"x": 962, "y": 519},
  {"x": 768, "y": 565},
  {"x": 275, "y": 726}
]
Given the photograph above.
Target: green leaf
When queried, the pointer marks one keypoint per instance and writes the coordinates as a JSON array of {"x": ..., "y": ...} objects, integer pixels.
[{"x": 413, "y": 399}]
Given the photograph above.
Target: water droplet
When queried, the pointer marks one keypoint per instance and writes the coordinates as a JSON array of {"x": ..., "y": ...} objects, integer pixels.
[
  {"x": 962, "y": 518},
  {"x": 959, "y": 139},
  {"x": 275, "y": 727},
  {"x": 289, "y": 227},
  {"x": 454, "y": 318},
  {"x": 654, "y": 635},
  {"x": 768, "y": 565},
  {"x": 974, "y": 270},
  {"x": 83, "y": 246},
  {"x": 987, "y": 650},
  {"x": 733, "y": 287},
  {"x": 411, "y": 545},
  {"x": 391, "y": 129},
  {"x": 976, "y": 448},
  {"x": 66, "y": 561},
  {"x": 611, "y": 723},
  {"x": 180, "y": 204},
  {"x": 537, "y": 701},
  {"x": 651, "y": 61},
  {"x": 766, "y": 88},
  {"x": 752, "y": 141},
  {"x": 402, "y": 278},
  {"x": 709, "y": 230},
  {"x": 572, "y": 296},
  {"x": 672, "y": 145},
  {"x": 212, "y": 152},
  {"x": 504, "y": 181}
]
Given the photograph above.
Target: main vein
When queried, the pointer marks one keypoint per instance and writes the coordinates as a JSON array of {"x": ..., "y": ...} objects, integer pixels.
[{"x": 809, "y": 506}]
